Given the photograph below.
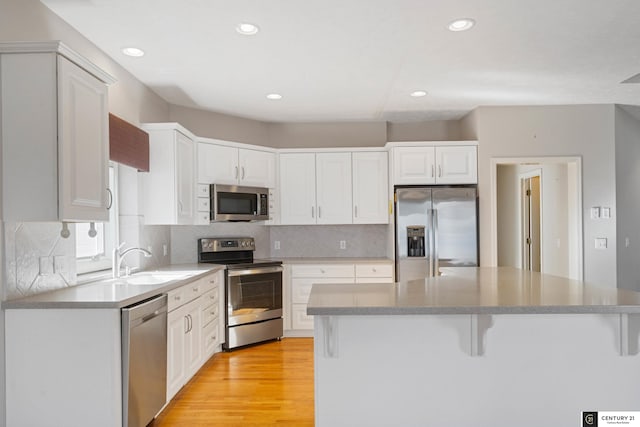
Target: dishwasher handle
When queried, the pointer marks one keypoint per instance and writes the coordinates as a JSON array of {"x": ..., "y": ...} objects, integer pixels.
[{"x": 142, "y": 312}]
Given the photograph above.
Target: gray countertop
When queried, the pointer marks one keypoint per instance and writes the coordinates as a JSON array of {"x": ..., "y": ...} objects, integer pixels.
[
  {"x": 336, "y": 260},
  {"x": 467, "y": 290},
  {"x": 115, "y": 293}
]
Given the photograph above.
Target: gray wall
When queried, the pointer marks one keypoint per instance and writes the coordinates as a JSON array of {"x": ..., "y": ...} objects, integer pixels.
[
  {"x": 437, "y": 130},
  {"x": 338, "y": 134},
  {"x": 581, "y": 130},
  {"x": 628, "y": 197},
  {"x": 220, "y": 126}
]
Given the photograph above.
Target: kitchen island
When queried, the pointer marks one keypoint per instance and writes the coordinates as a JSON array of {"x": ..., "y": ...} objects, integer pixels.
[{"x": 474, "y": 347}]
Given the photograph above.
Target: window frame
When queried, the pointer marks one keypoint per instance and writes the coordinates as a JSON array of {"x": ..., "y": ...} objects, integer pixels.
[{"x": 111, "y": 230}]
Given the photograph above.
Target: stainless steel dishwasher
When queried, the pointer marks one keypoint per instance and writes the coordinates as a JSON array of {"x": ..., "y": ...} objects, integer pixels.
[{"x": 144, "y": 361}]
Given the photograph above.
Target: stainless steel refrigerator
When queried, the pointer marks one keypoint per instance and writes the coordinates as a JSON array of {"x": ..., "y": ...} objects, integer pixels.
[{"x": 435, "y": 227}]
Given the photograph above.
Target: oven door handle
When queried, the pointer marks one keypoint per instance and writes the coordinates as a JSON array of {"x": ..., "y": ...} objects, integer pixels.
[{"x": 253, "y": 271}]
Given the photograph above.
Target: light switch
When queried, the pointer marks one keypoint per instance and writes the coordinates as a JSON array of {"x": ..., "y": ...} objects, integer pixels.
[
  {"x": 343, "y": 244},
  {"x": 276, "y": 245},
  {"x": 595, "y": 212},
  {"x": 605, "y": 213},
  {"x": 601, "y": 243}
]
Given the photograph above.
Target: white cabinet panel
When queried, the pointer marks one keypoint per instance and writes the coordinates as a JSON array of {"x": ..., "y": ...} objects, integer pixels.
[
  {"x": 414, "y": 165},
  {"x": 217, "y": 164},
  {"x": 55, "y": 136},
  {"x": 333, "y": 188},
  {"x": 299, "y": 318},
  {"x": 301, "y": 287},
  {"x": 370, "y": 188},
  {"x": 167, "y": 190},
  {"x": 374, "y": 270},
  {"x": 176, "y": 366},
  {"x": 185, "y": 178},
  {"x": 457, "y": 165},
  {"x": 257, "y": 168},
  {"x": 83, "y": 145},
  {"x": 226, "y": 164},
  {"x": 322, "y": 270},
  {"x": 297, "y": 188},
  {"x": 435, "y": 164}
]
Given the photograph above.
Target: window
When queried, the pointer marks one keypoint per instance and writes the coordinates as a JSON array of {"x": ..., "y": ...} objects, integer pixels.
[{"x": 94, "y": 253}]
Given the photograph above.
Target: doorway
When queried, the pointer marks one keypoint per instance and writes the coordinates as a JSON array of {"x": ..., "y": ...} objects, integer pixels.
[
  {"x": 530, "y": 220},
  {"x": 559, "y": 214}
]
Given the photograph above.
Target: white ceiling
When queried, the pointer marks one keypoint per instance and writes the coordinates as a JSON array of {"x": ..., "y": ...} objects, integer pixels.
[{"x": 358, "y": 60}]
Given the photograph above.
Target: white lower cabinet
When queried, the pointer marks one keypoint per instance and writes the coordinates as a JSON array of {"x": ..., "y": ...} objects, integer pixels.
[
  {"x": 193, "y": 329},
  {"x": 304, "y": 276}
]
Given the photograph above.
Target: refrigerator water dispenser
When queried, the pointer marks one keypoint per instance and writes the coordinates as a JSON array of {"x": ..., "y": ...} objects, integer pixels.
[{"x": 415, "y": 241}]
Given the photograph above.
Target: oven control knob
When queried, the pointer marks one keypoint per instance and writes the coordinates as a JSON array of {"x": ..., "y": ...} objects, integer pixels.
[{"x": 244, "y": 243}]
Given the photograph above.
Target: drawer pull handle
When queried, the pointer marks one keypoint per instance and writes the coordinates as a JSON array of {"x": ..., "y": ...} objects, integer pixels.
[
  {"x": 374, "y": 270},
  {"x": 196, "y": 289},
  {"x": 177, "y": 297}
]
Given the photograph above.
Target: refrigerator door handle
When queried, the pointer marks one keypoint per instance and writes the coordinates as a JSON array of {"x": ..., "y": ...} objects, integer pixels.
[
  {"x": 436, "y": 252},
  {"x": 429, "y": 243}
]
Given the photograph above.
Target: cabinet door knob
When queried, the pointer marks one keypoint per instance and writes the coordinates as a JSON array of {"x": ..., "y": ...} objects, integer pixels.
[
  {"x": 242, "y": 172},
  {"x": 236, "y": 172}
]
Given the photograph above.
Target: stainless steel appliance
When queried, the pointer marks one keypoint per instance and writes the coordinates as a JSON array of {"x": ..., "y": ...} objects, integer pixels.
[
  {"x": 144, "y": 361},
  {"x": 435, "y": 227},
  {"x": 236, "y": 203},
  {"x": 253, "y": 290}
]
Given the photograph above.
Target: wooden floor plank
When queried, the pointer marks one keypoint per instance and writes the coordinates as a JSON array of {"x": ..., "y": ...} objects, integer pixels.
[{"x": 269, "y": 384}]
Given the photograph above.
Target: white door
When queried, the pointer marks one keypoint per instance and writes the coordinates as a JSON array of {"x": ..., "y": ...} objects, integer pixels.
[
  {"x": 176, "y": 330},
  {"x": 257, "y": 168},
  {"x": 185, "y": 179},
  {"x": 457, "y": 165},
  {"x": 334, "y": 188},
  {"x": 193, "y": 338},
  {"x": 370, "y": 188},
  {"x": 414, "y": 165},
  {"x": 217, "y": 164},
  {"x": 83, "y": 144},
  {"x": 297, "y": 188}
]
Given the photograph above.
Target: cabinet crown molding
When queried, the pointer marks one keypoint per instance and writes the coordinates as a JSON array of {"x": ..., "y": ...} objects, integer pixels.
[{"x": 56, "y": 46}]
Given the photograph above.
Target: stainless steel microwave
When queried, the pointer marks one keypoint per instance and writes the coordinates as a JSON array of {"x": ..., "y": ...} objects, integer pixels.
[{"x": 236, "y": 203}]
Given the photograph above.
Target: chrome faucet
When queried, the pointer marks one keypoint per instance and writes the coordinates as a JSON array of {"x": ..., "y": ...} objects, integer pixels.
[{"x": 116, "y": 260}]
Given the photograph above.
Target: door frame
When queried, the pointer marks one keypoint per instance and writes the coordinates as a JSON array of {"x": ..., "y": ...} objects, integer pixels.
[
  {"x": 525, "y": 175},
  {"x": 576, "y": 163}
]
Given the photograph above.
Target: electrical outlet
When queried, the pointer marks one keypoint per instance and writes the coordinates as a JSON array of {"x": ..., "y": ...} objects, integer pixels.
[
  {"x": 343, "y": 244},
  {"x": 595, "y": 213},
  {"x": 605, "y": 213},
  {"x": 276, "y": 245},
  {"x": 601, "y": 243}
]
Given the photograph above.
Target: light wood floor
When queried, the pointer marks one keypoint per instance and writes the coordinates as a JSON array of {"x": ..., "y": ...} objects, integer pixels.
[{"x": 266, "y": 385}]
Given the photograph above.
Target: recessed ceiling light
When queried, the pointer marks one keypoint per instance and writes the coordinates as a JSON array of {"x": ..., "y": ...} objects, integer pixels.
[
  {"x": 274, "y": 96},
  {"x": 133, "y": 51},
  {"x": 418, "y": 93},
  {"x": 461, "y": 24},
  {"x": 247, "y": 29}
]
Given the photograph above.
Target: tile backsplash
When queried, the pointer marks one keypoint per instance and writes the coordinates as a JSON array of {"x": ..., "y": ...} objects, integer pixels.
[
  {"x": 37, "y": 258},
  {"x": 320, "y": 241}
]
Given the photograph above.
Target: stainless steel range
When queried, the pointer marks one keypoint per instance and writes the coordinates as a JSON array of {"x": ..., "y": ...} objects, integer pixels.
[{"x": 253, "y": 290}]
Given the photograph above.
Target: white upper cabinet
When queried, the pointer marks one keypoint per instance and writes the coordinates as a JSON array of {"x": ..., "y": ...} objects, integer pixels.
[
  {"x": 55, "y": 134},
  {"x": 370, "y": 187},
  {"x": 167, "y": 190},
  {"x": 297, "y": 188},
  {"x": 226, "y": 164},
  {"x": 333, "y": 188},
  {"x": 435, "y": 164},
  {"x": 457, "y": 165}
]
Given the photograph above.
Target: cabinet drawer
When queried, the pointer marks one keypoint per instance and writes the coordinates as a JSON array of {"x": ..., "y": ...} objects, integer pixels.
[
  {"x": 210, "y": 338},
  {"x": 323, "y": 270},
  {"x": 209, "y": 314},
  {"x": 212, "y": 296},
  {"x": 374, "y": 270},
  {"x": 202, "y": 190},
  {"x": 202, "y": 218},
  {"x": 203, "y": 204},
  {"x": 301, "y": 288},
  {"x": 176, "y": 298},
  {"x": 299, "y": 317}
]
